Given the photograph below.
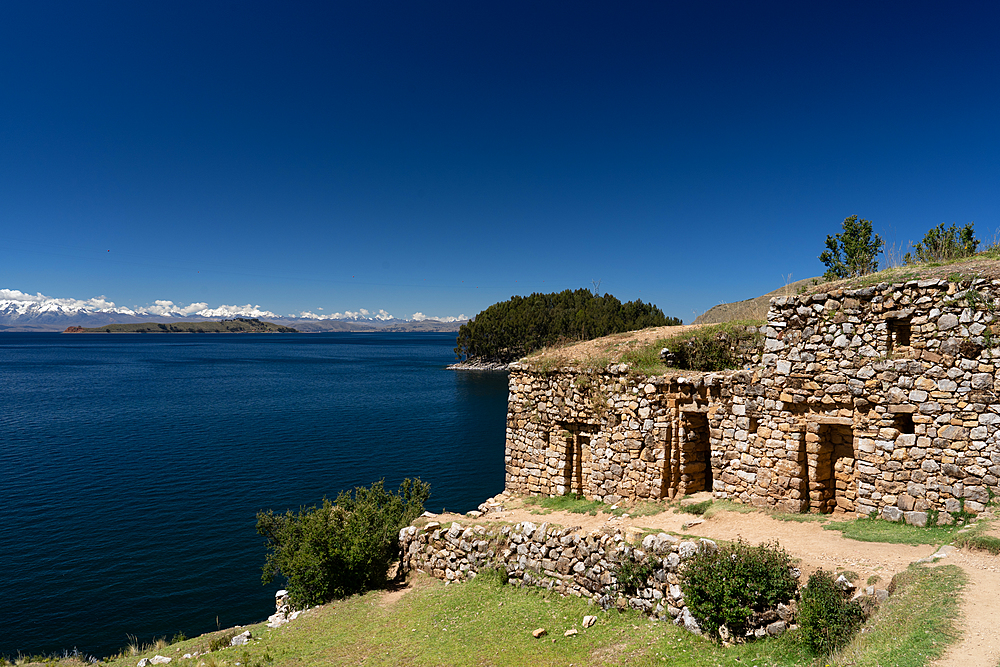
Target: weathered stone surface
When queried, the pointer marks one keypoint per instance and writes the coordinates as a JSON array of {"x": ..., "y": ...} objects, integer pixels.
[
  {"x": 240, "y": 639},
  {"x": 875, "y": 384}
]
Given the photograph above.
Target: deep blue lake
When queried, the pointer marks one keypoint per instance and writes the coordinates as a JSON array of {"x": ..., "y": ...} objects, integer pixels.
[{"x": 132, "y": 467}]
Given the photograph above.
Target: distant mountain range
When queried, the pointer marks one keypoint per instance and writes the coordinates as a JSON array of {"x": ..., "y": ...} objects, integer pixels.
[{"x": 58, "y": 314}]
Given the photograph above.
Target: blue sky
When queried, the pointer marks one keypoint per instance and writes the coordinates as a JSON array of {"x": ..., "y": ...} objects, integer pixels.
[{"x": 438, "y": 157}]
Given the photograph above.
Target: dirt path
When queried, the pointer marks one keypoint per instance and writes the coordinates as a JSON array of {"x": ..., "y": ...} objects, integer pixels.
[
  {"x": 807, "y": 541},
  {"x": 980, "y": 643},
  {"x": 817, "y": 548}
]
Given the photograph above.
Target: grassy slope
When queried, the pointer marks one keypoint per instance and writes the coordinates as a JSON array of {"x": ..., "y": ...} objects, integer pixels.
[{"x": 481, "y": 623}]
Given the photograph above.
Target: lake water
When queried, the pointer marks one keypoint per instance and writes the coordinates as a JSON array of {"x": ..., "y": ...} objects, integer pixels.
[{"x": 132, "y": 466}]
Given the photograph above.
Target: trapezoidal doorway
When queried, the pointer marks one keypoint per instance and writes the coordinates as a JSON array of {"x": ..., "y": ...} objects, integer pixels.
[
  {"x": 577, "y": 449},
  {"x": 695, "y": 454},
  {"x": 830, "y": 456}
]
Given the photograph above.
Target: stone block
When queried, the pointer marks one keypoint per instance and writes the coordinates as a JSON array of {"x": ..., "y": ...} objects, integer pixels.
[{"x": 892, "y": 513}]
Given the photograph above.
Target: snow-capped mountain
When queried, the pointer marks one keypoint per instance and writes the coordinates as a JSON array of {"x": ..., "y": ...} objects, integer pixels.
[{"x": 20, "y": 311}]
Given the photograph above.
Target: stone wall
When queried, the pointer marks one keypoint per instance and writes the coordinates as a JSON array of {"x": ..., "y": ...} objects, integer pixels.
[
  {"x": 879, "y": 399},
  {"x": 563, "y": 560}
]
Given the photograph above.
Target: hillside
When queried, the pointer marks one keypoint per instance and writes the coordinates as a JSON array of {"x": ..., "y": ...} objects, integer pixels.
[
  {"x": 755, "y": 308},
  {"x": 632, "y": 346},
  {"x": 238, "y": 325},
  {"x": 983, "y": 265}
]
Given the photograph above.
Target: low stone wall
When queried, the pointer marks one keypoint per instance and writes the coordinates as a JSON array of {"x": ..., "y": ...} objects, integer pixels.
[{"x": 566, "y": 561}]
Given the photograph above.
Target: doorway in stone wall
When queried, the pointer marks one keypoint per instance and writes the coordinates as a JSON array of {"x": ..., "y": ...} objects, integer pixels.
[
  {"x": 695, "y": 454},
  {"x": 577, "y": 445},
  {"x": 831, "y": 469}
]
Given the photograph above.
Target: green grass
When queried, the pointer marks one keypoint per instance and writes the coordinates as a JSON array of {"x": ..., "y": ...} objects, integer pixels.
[
  {"x": 697, "y": 509},
  {"x": 573, "y": 503},
  {"x": 915, "y": 626},
  {"x": 980, "y": 542},
  {"x": 718, "y": 506},
  {"x": 645, "y": 359},
  {"x": 576, "y": 504},
  {"x": 483, "y": 623},
  {"x": 880, "y": 530}
]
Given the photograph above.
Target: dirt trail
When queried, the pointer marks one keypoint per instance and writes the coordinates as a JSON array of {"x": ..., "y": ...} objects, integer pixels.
[
  {"x": 818, "y": 548},
  {"x": 804, "y": 540},
  {"x": 980, "y": 643}
]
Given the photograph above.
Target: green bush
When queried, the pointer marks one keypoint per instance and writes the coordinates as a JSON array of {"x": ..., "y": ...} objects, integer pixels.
[
  {"x": 714, "y": 348},
  {"x": 222, "y": 641},
  {"x": 341, "y": 548},
  {"x": 827, "y": 619},
  {"x": 632, "y": 574},
  {"x": 940, "y": 244},
  {"x": 730, "y": 585}
]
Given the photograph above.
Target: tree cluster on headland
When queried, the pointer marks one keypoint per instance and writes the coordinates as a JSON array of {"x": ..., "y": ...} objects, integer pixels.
[{"x": 511, "y": 329}]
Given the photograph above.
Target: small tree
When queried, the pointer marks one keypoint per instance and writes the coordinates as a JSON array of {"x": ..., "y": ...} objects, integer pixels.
[
  {"x": 853, "y": 252},
  {"x": 942, "y": 244},
  {"x": 340, "y": 548}
]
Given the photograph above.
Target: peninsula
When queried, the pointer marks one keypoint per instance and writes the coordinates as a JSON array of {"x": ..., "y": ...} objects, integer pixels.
[{"x": 237, "y": 325}]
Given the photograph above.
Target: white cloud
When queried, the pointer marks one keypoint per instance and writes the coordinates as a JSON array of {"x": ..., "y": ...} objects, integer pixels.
[
  {"x": 236, "y": 311},
  {"x": 17, "y": 295},
  {"x": 420, "y": 317},
  {"x": 48, "y": 303},
  {"x": 168, "y": 308}
]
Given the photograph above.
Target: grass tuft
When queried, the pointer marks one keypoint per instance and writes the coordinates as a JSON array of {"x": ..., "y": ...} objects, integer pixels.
[
  {"x": 914, "y": 626},
  {"x": 980, "y": 542},
  {"x": 872, "y": 529}
]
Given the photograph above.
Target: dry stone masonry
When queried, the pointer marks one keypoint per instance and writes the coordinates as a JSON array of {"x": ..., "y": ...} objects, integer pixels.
[
  {"x": 878, "y": 400},
  {"x": 569, "y": 562}
]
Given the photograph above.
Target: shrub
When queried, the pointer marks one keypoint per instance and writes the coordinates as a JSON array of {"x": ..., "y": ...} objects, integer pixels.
[
  {"x": 221, "y": 641},
  {"x": 714, "y": 348},
  {"x": 730, "y": 585},
  {"x": 697, "y": 509},
  {"x": 942, "y": 244},
  {"x": 341, "y": 548},
  {"x": 632, "y": 574},
  {"x": 827, "y": 619},
  {"x": 493, "y": 577}
]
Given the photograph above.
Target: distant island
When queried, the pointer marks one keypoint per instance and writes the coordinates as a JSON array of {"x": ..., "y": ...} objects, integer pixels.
[{"x": 237, "y": 325}]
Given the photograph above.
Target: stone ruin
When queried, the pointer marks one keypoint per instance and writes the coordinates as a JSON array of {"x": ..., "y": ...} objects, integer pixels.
[{"x": 878, "y": 400}]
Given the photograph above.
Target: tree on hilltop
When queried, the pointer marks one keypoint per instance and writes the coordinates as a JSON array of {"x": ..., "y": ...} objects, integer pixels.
[
  {"x": 512, "y": 329},
  {"x": 854, "y": 252}
]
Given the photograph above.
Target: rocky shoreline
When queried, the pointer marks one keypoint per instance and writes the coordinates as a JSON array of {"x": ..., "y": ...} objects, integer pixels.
[{"x": 474, "y": 365}]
